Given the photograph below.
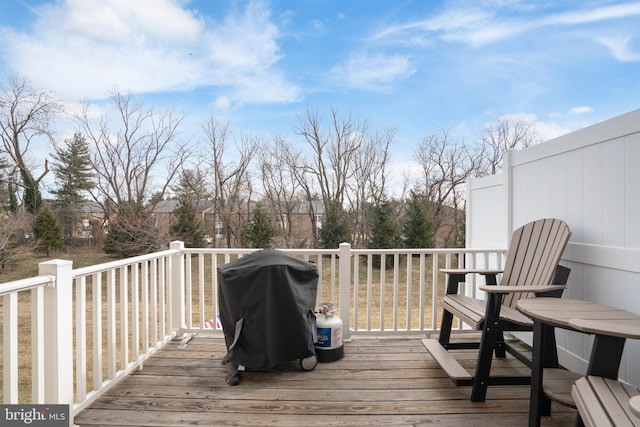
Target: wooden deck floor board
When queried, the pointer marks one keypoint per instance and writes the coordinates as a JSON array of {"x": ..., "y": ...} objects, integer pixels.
[{"x": 381, "y": 382}]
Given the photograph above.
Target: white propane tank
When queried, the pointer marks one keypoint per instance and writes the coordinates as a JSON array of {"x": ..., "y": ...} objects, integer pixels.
[{"x": 329, "y": 347}]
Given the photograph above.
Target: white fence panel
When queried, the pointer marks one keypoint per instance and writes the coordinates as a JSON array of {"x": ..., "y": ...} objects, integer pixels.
[{"x": 589, "y": 179}]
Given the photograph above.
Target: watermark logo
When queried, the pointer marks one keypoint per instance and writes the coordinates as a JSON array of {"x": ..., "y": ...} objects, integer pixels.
[{"x": 34, "y": 415}]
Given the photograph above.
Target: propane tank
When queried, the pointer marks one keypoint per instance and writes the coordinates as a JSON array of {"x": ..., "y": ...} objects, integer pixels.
[{"x": 329, "y": 347}]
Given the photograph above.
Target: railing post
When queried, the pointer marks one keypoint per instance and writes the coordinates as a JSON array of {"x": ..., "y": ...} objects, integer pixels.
[
  {"x": 344, "y": 289},
  {"x": 176, "y": 304},
  {"x": 58, "y": 333}
]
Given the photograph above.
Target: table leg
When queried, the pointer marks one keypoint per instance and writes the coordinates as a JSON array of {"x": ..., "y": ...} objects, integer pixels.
[
  {"x": 544, "y": 356},
  {"x": 536, "y": 374},
  {"x": 606, "y": 354}
]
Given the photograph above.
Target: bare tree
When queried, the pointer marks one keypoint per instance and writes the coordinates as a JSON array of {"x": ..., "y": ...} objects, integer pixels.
[
  {"x": 137, "y": 156},
  {"x": 369, "y": 184},
  {"x": 26, "y": 114},
  {"x": 281, "y": 188},
  {"x": 502, "y": 135},
  {"x": 334, "y": 152},
  {"x": 446, "y": 165},
  {"x": 232, "y": 186},
  {"x": 297, "y": 164}
]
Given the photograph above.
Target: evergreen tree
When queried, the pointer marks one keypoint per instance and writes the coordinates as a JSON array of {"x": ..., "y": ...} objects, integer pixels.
[
  {"x": 417, "y": 228},
  {"x": 132, "y": 232},
  {"x": 72, "y": 168},
  {"x": 385, "y": 230},
  {"x": 188, "y": 226},
  {"x": 336, "y": 228},
  {"x": 47, "y": 233},
  {"x": 192, "y": 183},
  {"x": 259, "y": 232}
]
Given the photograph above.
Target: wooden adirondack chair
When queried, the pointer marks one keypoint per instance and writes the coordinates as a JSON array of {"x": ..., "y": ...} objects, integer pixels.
[{"x": 531, "y": 268}]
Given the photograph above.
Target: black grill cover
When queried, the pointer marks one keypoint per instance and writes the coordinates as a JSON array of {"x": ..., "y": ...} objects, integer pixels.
[{"x": 267, "y": 299}]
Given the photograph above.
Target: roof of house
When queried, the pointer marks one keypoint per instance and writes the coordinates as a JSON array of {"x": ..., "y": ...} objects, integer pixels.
[{"x": 168, "y": 206}]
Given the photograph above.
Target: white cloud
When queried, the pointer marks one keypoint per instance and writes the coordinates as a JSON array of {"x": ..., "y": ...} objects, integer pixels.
[
  {"x": 581, "y": 110},
  {"x": 620, "y": 47},
  {"x": 222, "y": 103},
  {"x": 375, "y": 72},
  {"x": 587, "y": 16},
  {"x": 550, "y": 130},
  {"x": 478, "y": 24},
  {"x": 81, "y": 49}
]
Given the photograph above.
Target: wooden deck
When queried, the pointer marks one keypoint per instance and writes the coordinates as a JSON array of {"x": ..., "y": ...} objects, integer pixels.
[{"x": 379, "y": 382}]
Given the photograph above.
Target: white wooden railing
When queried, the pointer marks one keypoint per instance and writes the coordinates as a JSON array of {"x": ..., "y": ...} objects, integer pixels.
[{"x": 92, "y": 326}]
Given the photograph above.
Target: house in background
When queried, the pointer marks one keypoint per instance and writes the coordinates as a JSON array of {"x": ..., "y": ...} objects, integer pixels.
[
  {"x": 294, "y": 221},
  {"x": 163, "y": 214}
]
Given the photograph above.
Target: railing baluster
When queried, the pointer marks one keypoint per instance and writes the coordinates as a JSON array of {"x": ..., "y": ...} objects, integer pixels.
[
  {"x": 396, "y": 290},
  {"x": 96, "y": 296},
  {"x": 188, "y": 289},
  {"x": 111, "y": 323},
  {"x": 356, "y": 290},
  {"x": 321, "y": 276},
  {"x": 435, "y": 288},
  {"x": 37, "y": 345},
  {"x": 421, "y": 290},
  {"x": 81, "y": 339},
  {"x": 333, "y": 277},
  {"x": 10, "y": 347},
  {"x": 144, "y": 291},
  {"x": 135, "y": 311},
  {"x": 154, "y": 300},
  {"x": 124, "y": 317},
  {"x": 408, "y": 302},
  {"x": 214, "y": 288},
  {"x": 383, "y": 280},
  {"x": 369, "y": 289},
  {"x": 201, "y": 298},
  {"x": 162, "y": 294}
]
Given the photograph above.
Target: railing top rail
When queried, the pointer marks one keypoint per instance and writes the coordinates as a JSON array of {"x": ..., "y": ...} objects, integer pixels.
[
  {"x": 429, "y": 251},
  {"x": 26, "y": 284},
  {"x": 244, "y": 251},
  {"x": 98, "y": 268}
]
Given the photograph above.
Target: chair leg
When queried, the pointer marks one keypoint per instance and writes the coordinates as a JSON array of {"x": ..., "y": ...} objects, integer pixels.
[
  {"x": 453, "y": 282},
  {"x": 490, "y": 333},
  {"x": 445, "y": 328},
  {"x": 499, "y": 349}
]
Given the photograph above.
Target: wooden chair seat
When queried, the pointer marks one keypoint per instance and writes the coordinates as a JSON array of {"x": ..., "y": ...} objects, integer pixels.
[
  {"x": 472, "y": 311},
  {"x": 603, "y": 402}
]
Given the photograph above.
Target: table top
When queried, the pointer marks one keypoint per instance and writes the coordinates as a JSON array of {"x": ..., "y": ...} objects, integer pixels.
[
  {"x": 634, "y": 403},
  {"x": 583, "y": 316}
]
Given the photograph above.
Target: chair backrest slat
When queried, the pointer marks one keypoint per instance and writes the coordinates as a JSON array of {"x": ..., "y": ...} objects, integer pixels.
[{"x": 534, "y": 253}]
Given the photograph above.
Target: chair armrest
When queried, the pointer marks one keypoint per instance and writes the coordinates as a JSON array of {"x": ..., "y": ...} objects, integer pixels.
[
  {"x": 456, "y": 276},
  {"x": 469, "y": 271},
  {"x": 506, "y": 289}
]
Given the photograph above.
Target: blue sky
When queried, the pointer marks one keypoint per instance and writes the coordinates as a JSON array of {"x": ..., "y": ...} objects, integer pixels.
[{"x": 414, "y": 65}]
